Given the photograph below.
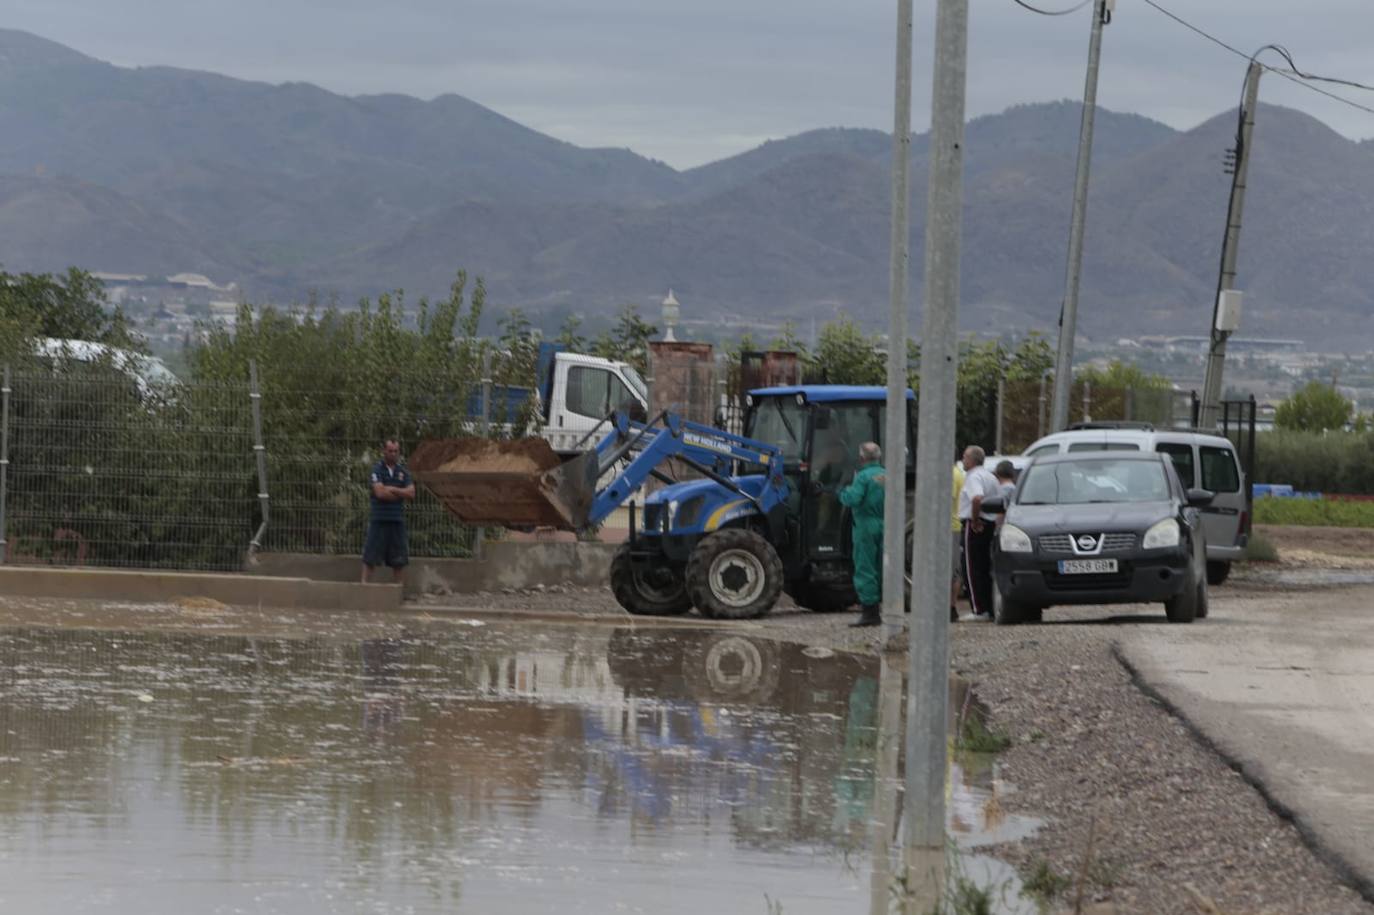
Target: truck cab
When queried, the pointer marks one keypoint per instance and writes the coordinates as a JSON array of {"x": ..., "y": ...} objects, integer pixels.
[{"x": 578, "y": 392}]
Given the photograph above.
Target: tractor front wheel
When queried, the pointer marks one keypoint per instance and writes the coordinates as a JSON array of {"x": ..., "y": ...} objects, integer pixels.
[
  {"x": 734, "y": 575},
  {"x": 648, "y": 590}
]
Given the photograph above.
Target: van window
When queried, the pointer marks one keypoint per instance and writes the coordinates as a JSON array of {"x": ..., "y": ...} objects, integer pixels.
[
  {"x": 1103, "y": 446},
  {"x": 1219, "y": 473},
  {"x": 1182, "y": 456},
  {"x": 1051, "y": 448}
]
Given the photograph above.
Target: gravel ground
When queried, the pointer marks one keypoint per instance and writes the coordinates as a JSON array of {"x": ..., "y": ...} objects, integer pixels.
[{"x": 1175, "y": 828}]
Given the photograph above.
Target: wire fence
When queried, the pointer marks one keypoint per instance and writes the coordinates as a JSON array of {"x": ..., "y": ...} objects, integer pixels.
[
  {"x": 105, "y": 470},
  {"x": 101, "y": 468}
]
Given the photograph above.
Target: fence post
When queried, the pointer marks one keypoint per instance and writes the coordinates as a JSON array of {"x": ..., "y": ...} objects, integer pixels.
[
  {"x": 1001, "y": 399},
  {"x": 4, "y": 458},
  {"x": 480, "y": 536},
  {"x": 1040, "y": 422},
  {"x": 1087, "y": 401},
  {"x": 260, "y": 458}
]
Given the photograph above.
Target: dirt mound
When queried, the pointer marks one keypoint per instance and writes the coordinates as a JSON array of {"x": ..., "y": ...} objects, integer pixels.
[{"x": 480, "y": 455}]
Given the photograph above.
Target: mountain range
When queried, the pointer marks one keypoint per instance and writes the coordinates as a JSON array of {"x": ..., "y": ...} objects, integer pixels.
[{"x": 289, "y": 188}]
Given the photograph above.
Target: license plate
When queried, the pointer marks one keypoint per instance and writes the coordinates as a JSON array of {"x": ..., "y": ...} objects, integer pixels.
[{"x": 1086, "y": 566}]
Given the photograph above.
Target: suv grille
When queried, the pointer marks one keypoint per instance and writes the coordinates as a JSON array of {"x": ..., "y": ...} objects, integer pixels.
[{"x": 1063, "y": 543}]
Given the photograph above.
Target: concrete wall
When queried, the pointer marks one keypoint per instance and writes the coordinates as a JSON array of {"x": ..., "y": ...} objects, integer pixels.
[
  {"x": 160, "y": 587},
  {"x": 503, "y": 565}
]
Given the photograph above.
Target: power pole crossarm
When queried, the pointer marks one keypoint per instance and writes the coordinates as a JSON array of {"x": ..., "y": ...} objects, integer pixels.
[
  {"x": 1068, "y": 319},
  {"x": 1225, "y": 308}
]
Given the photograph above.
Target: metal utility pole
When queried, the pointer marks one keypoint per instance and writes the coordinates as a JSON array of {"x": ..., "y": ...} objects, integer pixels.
[
  {"x": 1226, "y": 308},
  {"x": 894, "y": 502},
  {"x": 926, "y": 741},
  {"x": 1068, "y": 317}
]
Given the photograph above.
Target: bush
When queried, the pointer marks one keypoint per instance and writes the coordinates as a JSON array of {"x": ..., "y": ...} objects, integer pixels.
[
  {"x": 1260, "y": 549},
  {"x": 1314, "y": 512},
  {"x": 1341, "y": 462}
]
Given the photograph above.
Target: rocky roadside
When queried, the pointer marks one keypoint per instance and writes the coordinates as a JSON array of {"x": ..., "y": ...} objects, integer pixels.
[{"x": 1173, "y": 828}]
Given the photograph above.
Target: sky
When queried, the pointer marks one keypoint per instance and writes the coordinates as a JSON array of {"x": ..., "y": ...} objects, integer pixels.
[{"x": 691, "y": 82}]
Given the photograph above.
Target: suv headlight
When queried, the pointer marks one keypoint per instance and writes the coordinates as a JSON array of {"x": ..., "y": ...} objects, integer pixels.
[
  {"x": 1163, "y": 534},
  {"x": 1014, "y": 540}
]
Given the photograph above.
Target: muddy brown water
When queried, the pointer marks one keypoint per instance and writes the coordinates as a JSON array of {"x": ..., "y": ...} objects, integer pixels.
[{"x": 496, "y": 768}]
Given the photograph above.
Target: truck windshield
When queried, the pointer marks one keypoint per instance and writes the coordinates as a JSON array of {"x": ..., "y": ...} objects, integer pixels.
[
  {"x": 636, "y": 382},
  {"x": 779, "y": 421}
]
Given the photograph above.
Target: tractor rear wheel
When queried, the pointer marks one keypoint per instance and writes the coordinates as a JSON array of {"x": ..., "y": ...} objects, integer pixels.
[
  {"x": 734, "y": 574},
  {"x": 648, "y": 590},
  {"x": 823, "y": 598}
]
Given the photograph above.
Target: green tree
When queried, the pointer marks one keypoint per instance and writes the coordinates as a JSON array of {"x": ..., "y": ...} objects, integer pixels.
[
  {"x": 72, "y": 306},
  {"x": 846, "y": 355},
  {"x": 627, "y": 340},
  {"x": 569, "y": 335},
  {"x": 1315, "y": 407},
  {"x": 1121, "y": 375}
]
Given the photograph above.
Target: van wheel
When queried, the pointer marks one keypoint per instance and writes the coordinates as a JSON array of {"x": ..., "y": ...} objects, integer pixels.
[
  {"x": 648, "y": 590},
  {"x": 1218, "y": 572},
  {"x": 734, "y": 574}
]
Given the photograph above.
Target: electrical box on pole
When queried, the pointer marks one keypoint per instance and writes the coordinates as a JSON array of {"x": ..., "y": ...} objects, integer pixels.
[{"x": 1228, "y": 311}]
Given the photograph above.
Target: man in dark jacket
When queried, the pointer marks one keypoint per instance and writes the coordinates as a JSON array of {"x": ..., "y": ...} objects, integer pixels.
[{"x": 390, "y": 487}]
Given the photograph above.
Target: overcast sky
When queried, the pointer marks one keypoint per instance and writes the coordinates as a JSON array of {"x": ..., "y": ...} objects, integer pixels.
[{"x": 695, "y": 80}]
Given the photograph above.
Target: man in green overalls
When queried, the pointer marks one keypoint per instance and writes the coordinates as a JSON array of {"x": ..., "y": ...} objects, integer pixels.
[{"x": 864, "y": 498}]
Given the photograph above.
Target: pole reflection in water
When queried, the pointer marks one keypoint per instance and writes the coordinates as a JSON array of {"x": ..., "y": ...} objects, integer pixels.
[{"x": 974, "y": 815}]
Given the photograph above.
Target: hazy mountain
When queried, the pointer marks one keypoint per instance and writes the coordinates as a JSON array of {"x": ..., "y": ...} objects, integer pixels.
[{"x": 291, "y": 188}]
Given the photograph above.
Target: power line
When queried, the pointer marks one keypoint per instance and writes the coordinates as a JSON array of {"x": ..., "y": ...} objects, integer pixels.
[
  {"x": 1293, "y": 75},
  {"x": 1036, "y": 9}
]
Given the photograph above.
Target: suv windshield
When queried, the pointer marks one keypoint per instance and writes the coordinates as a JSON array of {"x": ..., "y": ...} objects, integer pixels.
[{"x": 1095, "y": 480}]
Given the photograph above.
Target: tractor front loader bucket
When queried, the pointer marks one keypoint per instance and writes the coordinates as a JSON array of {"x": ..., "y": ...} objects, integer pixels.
[{"x": 516, "y": 484}]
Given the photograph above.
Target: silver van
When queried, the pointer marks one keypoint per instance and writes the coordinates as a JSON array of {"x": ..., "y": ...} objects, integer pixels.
[{"x": 1203, "y": 462}]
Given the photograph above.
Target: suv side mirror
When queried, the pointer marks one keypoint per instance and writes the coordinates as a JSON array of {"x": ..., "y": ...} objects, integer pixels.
[{"x": 1200, "y": 498}]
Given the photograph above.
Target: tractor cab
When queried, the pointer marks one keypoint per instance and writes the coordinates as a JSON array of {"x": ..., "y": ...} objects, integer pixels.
[{"x": 819, "y": 429}]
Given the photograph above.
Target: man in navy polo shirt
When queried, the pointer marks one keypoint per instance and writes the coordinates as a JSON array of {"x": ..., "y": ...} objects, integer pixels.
[{"x": 391, "y": 487}]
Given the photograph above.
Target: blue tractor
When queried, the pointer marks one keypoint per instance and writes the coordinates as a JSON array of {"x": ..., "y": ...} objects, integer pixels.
[{"x": 760, "y": 516}]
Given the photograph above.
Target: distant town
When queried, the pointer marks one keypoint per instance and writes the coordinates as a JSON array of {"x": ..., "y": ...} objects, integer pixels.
[{"x": 170, "y": 311}]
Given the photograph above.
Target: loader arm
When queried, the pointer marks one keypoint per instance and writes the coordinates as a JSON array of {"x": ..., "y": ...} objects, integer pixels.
[{"x": 648, "y": 446}]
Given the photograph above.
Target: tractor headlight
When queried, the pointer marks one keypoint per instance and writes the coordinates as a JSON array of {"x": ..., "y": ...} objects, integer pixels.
[
  {"x": 1161, "y": 535},
  {"x": 1014, "y": 540}
]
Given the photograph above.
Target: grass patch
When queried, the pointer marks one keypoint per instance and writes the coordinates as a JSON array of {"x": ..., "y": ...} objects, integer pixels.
[
  {"x": 1043, "y": 883},
  {"x": 1314, "y": 512},
  {"x": 976, "y": 737},
  {"x": 1260, "y": 549}
]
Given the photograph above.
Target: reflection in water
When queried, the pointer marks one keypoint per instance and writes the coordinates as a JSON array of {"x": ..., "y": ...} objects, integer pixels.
[{"x": 497, "y": 769}]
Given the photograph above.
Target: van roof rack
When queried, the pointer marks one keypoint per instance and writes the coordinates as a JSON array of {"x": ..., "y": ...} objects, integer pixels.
[{"x": 1138, "y": 427}]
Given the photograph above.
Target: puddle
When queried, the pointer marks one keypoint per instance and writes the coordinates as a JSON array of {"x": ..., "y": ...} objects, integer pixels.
[{"x": 439, "y": 768}]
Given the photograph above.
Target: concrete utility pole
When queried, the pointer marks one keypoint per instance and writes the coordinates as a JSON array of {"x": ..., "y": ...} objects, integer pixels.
[
  {"x": 1226, "y": 308},
  {"x": 1068, "y": 317},
  {"x": 894, "y": 449},
  {"x": 926, "y": 739}
]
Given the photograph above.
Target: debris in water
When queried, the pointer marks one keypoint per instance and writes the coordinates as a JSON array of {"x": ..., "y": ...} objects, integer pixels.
[{"x": 815, "y": 651}]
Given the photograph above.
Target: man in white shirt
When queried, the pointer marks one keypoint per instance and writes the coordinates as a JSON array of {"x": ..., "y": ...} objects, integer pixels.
[{"x": 979, "y": 527}]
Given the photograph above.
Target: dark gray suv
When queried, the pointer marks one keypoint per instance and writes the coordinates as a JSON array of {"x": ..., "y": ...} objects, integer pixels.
[{"x": 1100, "y": 528}]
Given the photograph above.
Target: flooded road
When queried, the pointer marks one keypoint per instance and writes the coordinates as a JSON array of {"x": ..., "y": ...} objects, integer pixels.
[{"x": 441, "y": 768}]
